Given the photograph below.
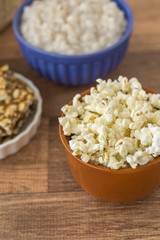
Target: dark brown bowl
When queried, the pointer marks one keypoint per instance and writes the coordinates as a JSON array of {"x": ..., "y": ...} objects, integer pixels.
[{"x": 120, "y": 185}]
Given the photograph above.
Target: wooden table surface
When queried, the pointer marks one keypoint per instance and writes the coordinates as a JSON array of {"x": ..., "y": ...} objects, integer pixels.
[{"x": 39, "y": 199}]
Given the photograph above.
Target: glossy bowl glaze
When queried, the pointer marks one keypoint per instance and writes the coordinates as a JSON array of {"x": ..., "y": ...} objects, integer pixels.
[
  {"x": 74, "y": 69},
  {"x": 120, "y": 185}
]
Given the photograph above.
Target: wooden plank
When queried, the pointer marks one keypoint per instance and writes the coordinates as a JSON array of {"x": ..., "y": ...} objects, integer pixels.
[
  {"x": 146, "y": 31},
  {"x": 144, "y": 66},
  {"x": 73, "y": 215},
  {"x": 39, "y": 197},
  {"x": 27, "y": 170}
]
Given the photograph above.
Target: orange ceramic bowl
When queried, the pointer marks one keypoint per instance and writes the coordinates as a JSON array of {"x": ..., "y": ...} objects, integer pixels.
[{"x": 120, "y": 185}]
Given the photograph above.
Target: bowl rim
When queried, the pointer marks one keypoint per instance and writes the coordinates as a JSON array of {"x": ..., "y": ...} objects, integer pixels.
[
  {"x": 37, "y": 114},
  {"x": 122, "y": 3},
  {"x": 122, "y": 171}
]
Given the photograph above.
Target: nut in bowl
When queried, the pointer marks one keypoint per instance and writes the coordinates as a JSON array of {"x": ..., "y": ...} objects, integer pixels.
[
  {"x": 69, "y": 66},
  {"x": 20, "y": 111},
  {"x": 124, "y": 164}
]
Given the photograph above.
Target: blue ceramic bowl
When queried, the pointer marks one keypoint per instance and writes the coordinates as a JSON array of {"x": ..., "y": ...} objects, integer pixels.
[{"x": 75, "y": 69}]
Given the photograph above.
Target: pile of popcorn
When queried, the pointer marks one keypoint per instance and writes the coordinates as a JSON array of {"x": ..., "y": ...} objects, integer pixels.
[{"x": 117, "y": 125}]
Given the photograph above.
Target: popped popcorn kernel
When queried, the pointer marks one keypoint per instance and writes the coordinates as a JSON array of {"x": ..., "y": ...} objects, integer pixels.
[{"x": 117, "y": 125}]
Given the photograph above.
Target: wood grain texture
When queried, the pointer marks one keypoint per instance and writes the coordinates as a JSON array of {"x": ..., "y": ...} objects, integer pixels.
[
  {"x": 27, "y": 170},
  {"x": 39, "y": 198},
  {"x": 76, "y": 215}
]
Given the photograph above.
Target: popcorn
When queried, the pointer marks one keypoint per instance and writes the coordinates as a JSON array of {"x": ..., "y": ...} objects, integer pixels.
[
  {"x": 70, "y": 125},
  {"x": 126, "y": 145},
  {"x": 135, "y": 84},
  {"x": 144, "y": 135},
  {"x": 124, "y": 83},
  {"x": 85, "y": 158},
  {"x": 154, "y": 100},
  {"x": 117, "y": 125},
  {"x": 122, "y": 122},
  {"x": 155, "y": 118},
  {"x": 154, "y": 149}
]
